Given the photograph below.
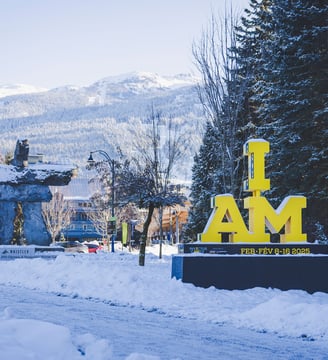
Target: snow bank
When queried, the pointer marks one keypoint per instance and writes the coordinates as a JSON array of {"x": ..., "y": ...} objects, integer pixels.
[
  {"x": 292, "y": 313},
  {"x": 31, "y": 339}
]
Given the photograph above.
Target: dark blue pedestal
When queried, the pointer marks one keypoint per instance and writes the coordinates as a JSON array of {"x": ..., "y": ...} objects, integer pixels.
[{"x": 232, "y": 272}]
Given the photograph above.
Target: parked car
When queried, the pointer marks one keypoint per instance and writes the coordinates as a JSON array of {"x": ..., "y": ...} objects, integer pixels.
[
  {"x": 93, "y": 247},
  {"x": 73, "y": 246}
]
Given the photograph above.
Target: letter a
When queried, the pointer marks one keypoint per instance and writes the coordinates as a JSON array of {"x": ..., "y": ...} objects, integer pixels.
[{"x": 224, "y": 208}]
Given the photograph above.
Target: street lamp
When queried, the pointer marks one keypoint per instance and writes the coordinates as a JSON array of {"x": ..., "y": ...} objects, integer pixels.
[
  {"x": 111, "y": 162},
  {"x": 133, "y": 224}
]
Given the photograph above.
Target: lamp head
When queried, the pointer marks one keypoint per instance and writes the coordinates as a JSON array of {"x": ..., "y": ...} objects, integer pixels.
[{"x": 91, "y": 162}]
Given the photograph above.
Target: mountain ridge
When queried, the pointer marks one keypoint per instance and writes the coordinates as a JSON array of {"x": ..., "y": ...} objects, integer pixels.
[
  {"x": 66, "y": 123},
  {"x": 19, "y": 89},
  {"x": 154, "y": 80}
]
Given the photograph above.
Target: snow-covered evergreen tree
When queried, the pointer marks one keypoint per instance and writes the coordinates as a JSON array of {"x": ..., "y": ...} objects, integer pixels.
[
  {"x": 251, "y": 33},
  {"x": 204, "y": 185},
  {"x": 292, "y": 98}
]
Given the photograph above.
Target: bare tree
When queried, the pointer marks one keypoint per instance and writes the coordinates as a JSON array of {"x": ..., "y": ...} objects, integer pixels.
[
  {"x": 57, "y": 214},
  {"x": 221, "y": 94},
  {"x": 100, "y": 214},
  {"x": 146, "y": 178}
]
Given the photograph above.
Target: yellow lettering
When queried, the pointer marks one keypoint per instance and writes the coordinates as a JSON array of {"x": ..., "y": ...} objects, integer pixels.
[
  {"x": 265, "y": 251},
  {"x": 256, "y": 150},
  {"x": 247, "y": 251},
  {"x": 288, "y": 214},
  {"x": 225, "y": 218}
]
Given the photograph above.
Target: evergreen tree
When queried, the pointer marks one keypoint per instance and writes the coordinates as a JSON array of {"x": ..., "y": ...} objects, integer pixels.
[
  {"x": 292, "y": 100},
  {"x": 18, "y": 235},
  {"x": 204, "y": 186},
  {"x": 251, "y": 33}
]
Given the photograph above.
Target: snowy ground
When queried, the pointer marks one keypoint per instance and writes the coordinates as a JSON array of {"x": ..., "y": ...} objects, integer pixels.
[{"x": 105, "y": 306}]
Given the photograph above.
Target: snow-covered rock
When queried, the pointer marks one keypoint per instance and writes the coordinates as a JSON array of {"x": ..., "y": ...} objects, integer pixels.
[{"x": 40, "y": 174}]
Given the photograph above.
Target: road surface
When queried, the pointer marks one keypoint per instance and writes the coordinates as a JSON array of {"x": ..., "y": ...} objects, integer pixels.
[{"x": 135, "y": 330}]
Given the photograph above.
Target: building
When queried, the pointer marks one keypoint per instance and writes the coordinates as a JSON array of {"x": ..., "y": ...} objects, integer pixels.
[
  {"x": 77, "y": 196},
  {"x": 173, "y": 220}
]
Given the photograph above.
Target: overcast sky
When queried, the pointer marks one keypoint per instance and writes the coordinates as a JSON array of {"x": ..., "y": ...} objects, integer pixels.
[{"x": 51, "y": 43}]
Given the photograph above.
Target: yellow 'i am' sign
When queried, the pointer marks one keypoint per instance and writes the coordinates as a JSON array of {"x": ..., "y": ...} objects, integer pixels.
[{"x": 226, "y": 217}]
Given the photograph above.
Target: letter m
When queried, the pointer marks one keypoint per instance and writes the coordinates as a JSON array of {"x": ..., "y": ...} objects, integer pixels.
[{"x": 288, "y": 214}]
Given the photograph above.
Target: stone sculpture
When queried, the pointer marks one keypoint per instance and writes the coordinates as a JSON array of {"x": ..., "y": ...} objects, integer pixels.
[
  {"x": 28, "y": 185},
  {"x": 21, "y": 153}
]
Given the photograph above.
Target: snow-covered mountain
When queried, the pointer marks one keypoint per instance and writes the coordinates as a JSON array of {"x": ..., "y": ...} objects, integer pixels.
[
  {"x": 66, "y": 123},
  {"x": 143, "y": 82},
  {"x": 15, "y": 89}
]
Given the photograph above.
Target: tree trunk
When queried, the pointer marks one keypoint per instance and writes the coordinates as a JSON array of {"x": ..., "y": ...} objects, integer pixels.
[{"x": 144, "y": 234}]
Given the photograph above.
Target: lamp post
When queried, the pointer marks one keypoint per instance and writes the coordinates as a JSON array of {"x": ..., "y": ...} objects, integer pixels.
[
  {"x": 133, "y": 224},
  {"x": 111, "y": 163}
]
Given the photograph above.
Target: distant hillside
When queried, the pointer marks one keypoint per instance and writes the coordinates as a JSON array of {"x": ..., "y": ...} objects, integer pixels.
[
  {"x": 15, "y": 89},
  {"x": 66, "y": 123}
]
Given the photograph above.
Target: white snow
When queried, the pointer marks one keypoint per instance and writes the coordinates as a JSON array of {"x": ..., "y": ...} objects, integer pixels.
[
  {"x": 18, "y": 89},
  {"x": 143, "y": 79},
  {"x": 293, "y": 313},
  {"x": 9, "y": 173}
]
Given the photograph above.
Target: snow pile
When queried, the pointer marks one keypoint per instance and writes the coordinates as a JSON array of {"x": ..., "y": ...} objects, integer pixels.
[
  {"x": 292, "y": 313},
  {"x": 25, "y": 339}
]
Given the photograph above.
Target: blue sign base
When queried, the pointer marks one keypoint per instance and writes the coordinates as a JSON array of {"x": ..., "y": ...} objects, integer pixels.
[{"x": 239, "y": 272}]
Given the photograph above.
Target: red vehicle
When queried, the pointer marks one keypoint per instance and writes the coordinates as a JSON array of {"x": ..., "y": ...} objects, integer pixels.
[{"x": 93, "y": 247}]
